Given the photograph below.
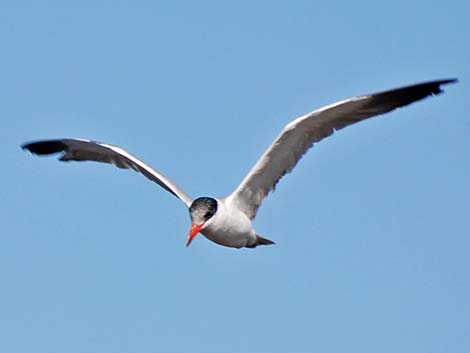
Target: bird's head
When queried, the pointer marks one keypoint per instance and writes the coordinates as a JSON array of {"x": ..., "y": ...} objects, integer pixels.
[{"x": 200, "y": 211}]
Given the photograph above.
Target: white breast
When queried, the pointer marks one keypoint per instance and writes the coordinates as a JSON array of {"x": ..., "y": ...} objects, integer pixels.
[{"x": 229, "y": 226}]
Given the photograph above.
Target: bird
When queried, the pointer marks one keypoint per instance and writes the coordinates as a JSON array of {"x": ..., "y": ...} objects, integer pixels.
[{"x": 227, "y": 221}]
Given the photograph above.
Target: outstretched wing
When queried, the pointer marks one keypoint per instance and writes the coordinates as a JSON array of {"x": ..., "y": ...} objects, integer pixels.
[
  {"x": 299, "y": 135},
  {"x": 85, "y": 150}
]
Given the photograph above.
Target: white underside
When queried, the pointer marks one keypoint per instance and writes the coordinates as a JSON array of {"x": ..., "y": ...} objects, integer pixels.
[{"x": 229, "y": 226}]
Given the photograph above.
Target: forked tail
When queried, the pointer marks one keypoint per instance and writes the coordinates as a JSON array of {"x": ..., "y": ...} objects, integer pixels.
[{"x": 261, "y": 241}]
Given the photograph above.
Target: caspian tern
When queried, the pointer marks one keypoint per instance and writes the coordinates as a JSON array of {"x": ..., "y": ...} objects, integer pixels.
[{"x": 227, "y": 221}]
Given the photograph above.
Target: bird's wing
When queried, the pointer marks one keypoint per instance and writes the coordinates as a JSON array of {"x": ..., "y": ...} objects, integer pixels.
[
  {"x": 85, "y": 150},
  {"x": 299, "y": 135}
]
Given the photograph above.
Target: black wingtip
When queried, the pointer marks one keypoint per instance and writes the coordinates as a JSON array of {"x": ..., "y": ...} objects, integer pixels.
[
  {"x": 452, "y": 80},
  {"x": 436, "y": 85},
  {"x": 44, "y": 147},
  {"x": 449, "y": 80},
  {"x": 444, "y": 82}
]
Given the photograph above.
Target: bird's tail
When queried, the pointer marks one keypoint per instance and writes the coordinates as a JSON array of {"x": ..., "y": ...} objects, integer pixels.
[{"x": 261, "y": 241}]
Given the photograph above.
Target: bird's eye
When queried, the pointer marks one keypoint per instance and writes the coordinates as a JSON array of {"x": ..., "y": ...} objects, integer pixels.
[{"x": 207, "y": 215}]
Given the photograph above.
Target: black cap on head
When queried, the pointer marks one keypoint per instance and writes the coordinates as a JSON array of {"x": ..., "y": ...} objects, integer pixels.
[{"x": 202, "y": 209}]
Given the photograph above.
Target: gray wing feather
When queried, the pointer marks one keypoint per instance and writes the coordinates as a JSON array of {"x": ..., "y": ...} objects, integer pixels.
[
  {"x": 298, "y": 136},
  {"x": 85, "y": 150}
]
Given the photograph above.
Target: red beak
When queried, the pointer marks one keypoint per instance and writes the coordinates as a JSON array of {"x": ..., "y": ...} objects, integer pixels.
[{"x": 195, "y": 228}]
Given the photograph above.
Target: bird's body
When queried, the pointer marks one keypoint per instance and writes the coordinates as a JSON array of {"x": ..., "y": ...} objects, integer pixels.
[
  {"x": 228, "y": 221},
  {"x": 230, "y": 227}
]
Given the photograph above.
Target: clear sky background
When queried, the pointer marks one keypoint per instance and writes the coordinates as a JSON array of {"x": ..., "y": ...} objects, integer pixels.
[{"x": 372, "y": 228}]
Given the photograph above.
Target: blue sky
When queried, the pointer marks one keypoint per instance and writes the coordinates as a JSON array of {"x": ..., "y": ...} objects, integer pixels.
[{"x": 372, "y": 228}]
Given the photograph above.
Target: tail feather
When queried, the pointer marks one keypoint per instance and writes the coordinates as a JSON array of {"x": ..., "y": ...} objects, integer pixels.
[{"x": 261, "y": 241}]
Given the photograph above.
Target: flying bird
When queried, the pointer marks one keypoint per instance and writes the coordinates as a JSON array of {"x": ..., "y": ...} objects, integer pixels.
[{"x": 228, "y": 221}]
